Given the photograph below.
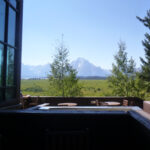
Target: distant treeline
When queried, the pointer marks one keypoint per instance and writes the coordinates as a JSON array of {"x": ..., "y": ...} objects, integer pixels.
[
  {"x": 79, "y": 77},
  {"x": 91, "y": 78},
  {"x": 39, "y": 78}
]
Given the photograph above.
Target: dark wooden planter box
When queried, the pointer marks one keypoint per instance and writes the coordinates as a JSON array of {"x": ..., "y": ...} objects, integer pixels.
[{"x": 73, "y": 130}]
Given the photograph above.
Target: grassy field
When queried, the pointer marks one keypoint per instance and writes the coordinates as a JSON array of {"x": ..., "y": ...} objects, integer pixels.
[{"x": 89, "y": 87}]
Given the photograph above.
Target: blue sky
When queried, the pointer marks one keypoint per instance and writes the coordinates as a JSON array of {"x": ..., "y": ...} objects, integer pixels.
[{"x": 91, "y": 28}]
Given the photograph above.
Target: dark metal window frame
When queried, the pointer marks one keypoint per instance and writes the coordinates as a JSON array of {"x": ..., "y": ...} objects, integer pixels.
[{"x": 17, "y": 49}]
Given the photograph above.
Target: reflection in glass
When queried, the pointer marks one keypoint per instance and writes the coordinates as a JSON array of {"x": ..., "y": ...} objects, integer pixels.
[
  {"x": 13, "y": 2},
  {"x": 10, "y": 93},
  {"x": 2, "y": 19},
  {"x": 1, "y": 94},
  {"x": 10, "y": 67},
  {"x": 11, "y": 27},
  {"x": 1, "y": 62}
]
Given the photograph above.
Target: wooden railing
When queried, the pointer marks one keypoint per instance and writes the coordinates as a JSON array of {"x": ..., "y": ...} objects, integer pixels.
[{"x": 29, "y": 101}]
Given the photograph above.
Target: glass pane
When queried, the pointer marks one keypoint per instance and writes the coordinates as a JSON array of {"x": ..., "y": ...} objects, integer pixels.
[
  {"x": 10, "y": 67},
  {"x": 1, "y": 95},
  {"x": 13, "y": 2},
  {"x": 2, "y": 19},
  {"x": 10, "y": 93},
  {"x": 1, "y": 62},
  {"x": 11, "y": 27}
]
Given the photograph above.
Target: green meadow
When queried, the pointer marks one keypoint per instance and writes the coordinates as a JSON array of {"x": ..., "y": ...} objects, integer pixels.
[{"x": 89, "y": 87}]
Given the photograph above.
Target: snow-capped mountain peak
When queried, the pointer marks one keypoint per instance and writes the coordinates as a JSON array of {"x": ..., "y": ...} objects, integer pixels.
[{"x": 83, "y": 67}]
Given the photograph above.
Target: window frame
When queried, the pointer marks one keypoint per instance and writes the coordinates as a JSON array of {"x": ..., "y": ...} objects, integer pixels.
[{"x": 17, "y": 53}]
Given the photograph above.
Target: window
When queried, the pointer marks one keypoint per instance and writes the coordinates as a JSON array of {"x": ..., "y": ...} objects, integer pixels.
[
  {"x": 10, "y": 50},
  {"x": 10, "y": 67},
  {"x": 1, "y": 70},
  {"x": 1, "y": 62},
  {"x": 11, "y": 26},
  {"x": 13, "y": 3},
  {"x": 2, "y": 20}
]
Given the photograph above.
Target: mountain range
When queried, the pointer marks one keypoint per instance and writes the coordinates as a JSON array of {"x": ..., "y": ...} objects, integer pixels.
[{"x": 83, "y": 67}]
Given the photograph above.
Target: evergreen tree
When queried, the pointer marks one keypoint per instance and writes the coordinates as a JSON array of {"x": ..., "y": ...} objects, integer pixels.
[
  {"x": 123, "y": 75},
  {"x": 125, "y": 81},
  {"x": 145, "y": 73},
  {"x": 63, "y": 78}
]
